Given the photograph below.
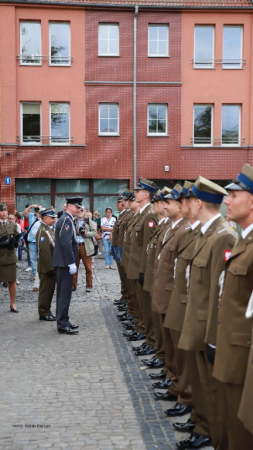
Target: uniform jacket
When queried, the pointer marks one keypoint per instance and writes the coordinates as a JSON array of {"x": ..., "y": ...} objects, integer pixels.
[
  {"x": 234, "y": 330},
  {"x": 8, "y": 256},
  {"x": 115, "y": 231},
  {"x": 176, "y": 311},
  {"x": 163, "y": 283},
  {"x": 65, "y": 251},
  {"x": 91, "y": 231},
  {"x": 150, "y": 258},
  {"x": 246, "y": 411},
  {"x": 124, "y": 220},
  {"x": 126, "y": 244},
  {"x": 200, "y": 323},
  {"x": 45, "y": 241},
  {"x": 139, "y": 239}
]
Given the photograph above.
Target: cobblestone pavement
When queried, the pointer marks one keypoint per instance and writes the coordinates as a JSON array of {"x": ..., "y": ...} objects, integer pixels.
[{"x": 87, "y": 391}]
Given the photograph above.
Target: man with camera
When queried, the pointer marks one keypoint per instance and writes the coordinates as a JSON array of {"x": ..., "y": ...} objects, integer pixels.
[{"x": 86, "y": 231}]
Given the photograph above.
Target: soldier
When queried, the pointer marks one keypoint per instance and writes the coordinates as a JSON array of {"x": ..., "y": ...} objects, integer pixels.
[
  {"x": 8, "y": 256},
  {"x": 142, "y": 231},
  {"x": 234, "y": 329},
  {"x": 45, "y": 241},
  {"x": 64, "y": 260},
  {"x": 200, "y": 323}
]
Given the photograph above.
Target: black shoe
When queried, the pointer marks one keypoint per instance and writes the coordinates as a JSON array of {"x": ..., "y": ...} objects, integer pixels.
[
  {"x": 130, "y": 327},
  {"x": 74, "y": 327},
  {"x": 137, "y": 337},
  {"x": 67, "y": 330},
  {"x": 166, "y": 396},
  {"x": 194, "y": 441},
  {"x": 165, "y": 384},
  {"x": 150, "y": 360},
  {"x": 145, "y": 352},
  {"x": 120, "y": 301},
  {"x": 12, "y": 310},
  {"x": 122, "y": 308},
  {"x": 154, "y": 364},
  {"x": 184, "y": 426},
  {"x": 124, "y": 316},
  {"x": 178, "y": 410},
  {"x": 158, "y": 376},
  {"x": 140, "y": 347},
  {"x": 5, "y": 284},
  {"x": 130, "y": 333},
  {"x": 48, "y": 318}
]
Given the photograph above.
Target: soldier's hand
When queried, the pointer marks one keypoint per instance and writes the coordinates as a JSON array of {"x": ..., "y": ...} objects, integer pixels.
[
  {"x": 72, "y": 269},
  {"x": 141, "y": 278},
  {"x": 210, "y": 353}
]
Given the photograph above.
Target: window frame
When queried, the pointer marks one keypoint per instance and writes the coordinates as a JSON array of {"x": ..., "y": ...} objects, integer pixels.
[
  {"x": 204, "y": 65},
  {"x": 117, "y": 133},
  {"x": 50, "y": 125},
  {"x": 22, "y": 142},
  {"x": 240, "y": 65},
  {"x": 166, "y": 131},
  {"x": 21, "y": 63},
  {"x": 239, "y": 124},
  {"x": 108, "y": 24},
  {"x": 212, "y": 113},
  {"x": 153, "y": 25},
  {"x": 68, "y": 62}
]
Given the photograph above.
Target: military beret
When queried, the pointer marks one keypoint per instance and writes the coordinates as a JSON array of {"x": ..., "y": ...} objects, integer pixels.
[
  {"x": 186, "y": 187},
  {"x": 244, "y": 181}
]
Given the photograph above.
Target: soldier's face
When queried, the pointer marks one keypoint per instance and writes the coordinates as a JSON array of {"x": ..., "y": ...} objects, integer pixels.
[
  {"x": 162, "y": 208},
  {"x": 3, "y": 214},
  {"x": 239, "y": 206},
  {"x": 140, "y": 195},
  {"x": 173, "y": 209},
  {"x": 193, "y": 204},
  {"x": 185, "y": 208}
]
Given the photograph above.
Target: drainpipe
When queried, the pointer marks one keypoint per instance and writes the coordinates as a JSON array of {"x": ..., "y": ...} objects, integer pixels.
[{"x": 135, "y": 94}]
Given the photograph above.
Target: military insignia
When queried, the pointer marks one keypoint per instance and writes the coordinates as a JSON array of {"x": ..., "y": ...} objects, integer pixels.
[
  {"x": 67, "y": 227},
  {"x": 151, "y": 224},
  {"x": 227, "y": 254},
  {"x": 42, "y": 239}
]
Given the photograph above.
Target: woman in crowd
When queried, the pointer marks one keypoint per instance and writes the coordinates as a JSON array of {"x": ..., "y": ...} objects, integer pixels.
[{"x": 107, "y": 224}]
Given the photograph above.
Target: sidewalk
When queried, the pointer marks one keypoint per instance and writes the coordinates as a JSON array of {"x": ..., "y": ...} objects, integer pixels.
[{"x": 87, "y": 391}]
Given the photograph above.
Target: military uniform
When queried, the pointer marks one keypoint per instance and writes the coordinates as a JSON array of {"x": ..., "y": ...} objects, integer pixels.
[
  {"x": 8, "y": 256},
  {"x": 117, "y": 254},
  {"x": 245, "y": 413},
  {"x": 45, "y": 241}
]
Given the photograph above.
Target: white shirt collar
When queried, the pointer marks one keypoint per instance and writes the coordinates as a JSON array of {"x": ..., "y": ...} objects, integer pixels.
[
  {"x": 247, "y": 231},
  {"x": 3, "y": 221},
  {"x": 166, "y": 219},
  {"x": 122, "y": 211},
  {"x": 142, "y": 209},
  {"x": 195, "y": 224},
  {"x": 175, "y": 223},
  {"x": 205, "y": 227},
  {"x": 161, "y": 221}
]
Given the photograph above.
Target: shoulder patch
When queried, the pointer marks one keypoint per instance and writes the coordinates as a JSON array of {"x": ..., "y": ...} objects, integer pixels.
[
  {"x": 42, "y": 239},
  {"x": 151, "y": 224},
  {"x": 67, "y": 227},
  {"x": 227, "y": 254}
]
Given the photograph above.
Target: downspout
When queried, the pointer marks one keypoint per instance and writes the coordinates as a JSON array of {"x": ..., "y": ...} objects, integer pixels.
[{"x": 135, "y": 94}]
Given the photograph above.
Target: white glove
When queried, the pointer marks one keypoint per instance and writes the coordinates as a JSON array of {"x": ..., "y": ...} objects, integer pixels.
[{"x": 72, "y": 269}]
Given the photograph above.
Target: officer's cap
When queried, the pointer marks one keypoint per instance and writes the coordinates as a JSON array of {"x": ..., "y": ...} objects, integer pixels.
[
  {"x": 3, "y": 206},
  {"x": 120, "y": 198},
  {"x": 207, "y": 191},
  {"x": 77, "y": 201},
  {"x": 160, "y": 195},
  {"x": 186, "y": 187},
  {"x": 148, "y": 185},
  {"x": 244, "y": 181},
  {"x": 175, "y": 193},
  {"x": 49, "y": 212}
]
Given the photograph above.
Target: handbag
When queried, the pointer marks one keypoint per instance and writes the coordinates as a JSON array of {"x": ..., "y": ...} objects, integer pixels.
[{"x": 98, "y": 236}]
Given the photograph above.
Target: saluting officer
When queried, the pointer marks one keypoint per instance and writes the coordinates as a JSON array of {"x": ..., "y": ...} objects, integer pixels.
[
  {"x": 234, "y": 329},
  {"x": 8, "y": 256},
  {"x": 64, "y": 260},
  {"x": 200, "y": 322},
  {"x": 45, "y": 241}
]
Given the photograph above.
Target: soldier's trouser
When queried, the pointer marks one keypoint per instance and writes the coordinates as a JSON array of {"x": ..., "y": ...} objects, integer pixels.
[
  {"x": 46, "y": 292},
  {"x": 137, "y": 317},
  {"x": 123, "y": 282},
  {"x": 170, "y": 362},
  {"x": 238, "y": 436},
  {"x": 87, "y": 262},
  {"x": 201, "y": 421},
  {"x": 64, "y": 292},
  {"x": 214, "y": 398},
  {"x": 159, "y": 348},
  {"x": 144, "y": 302}
]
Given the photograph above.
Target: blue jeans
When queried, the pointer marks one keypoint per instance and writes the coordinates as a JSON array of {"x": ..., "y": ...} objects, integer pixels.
[
  {"x": 33, "y": 256},
  {"x": 108, "y": 257}
]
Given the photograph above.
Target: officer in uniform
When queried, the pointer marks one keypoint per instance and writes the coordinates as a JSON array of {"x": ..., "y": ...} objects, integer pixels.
[
  {"x": 234, "y": 329},
  {"x": 45, "y": 241},
  {"x": 64, "y": 260},
  {"x": 8, "y": 256},
  {"x": 199, "y": 331}
]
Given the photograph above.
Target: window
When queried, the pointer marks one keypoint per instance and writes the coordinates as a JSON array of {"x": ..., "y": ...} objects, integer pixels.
[
  {"x": 157, "y": 120},
  {"x": 30, "y": 123},
  {"x": 30, "y": 43},
  {"x": 204, "y": 47},
  {"x": 59, "y": 44},
  {"x": 108, "y": 119},
  {"x": 203, "y": 124},
  {"x": 231, "y": 124},
  {"x": 108, "y": 40},
  {"x": 158, "y": 40},
  {"x": 232, "y": 47},
  {"x": 59, "y": 116}
]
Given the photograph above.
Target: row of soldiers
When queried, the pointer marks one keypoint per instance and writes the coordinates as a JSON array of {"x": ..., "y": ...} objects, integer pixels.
[{"x": 186, "y": 288}]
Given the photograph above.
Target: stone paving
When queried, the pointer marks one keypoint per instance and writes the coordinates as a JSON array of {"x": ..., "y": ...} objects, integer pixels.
[{"x": 87, "y": 391}]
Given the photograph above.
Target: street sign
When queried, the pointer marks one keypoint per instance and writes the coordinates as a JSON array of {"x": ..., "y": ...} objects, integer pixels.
[{"x": 7, "y": 180}]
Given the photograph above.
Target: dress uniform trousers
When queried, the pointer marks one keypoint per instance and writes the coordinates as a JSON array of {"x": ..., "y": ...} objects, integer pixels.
[
  {"x": 64, "y": 292},
  {"x": 123, "y": 282},
  {"x": 170, "y": 361},
  {"x": 46, "y": 292},
  {"x": 183, "y": 388},
  {"x": 144, "y": 303},
  {"x": 137, "y": 316}
]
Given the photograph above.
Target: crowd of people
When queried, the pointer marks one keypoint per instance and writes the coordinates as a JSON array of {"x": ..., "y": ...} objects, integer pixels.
[{"x": 186, "y": 279}]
